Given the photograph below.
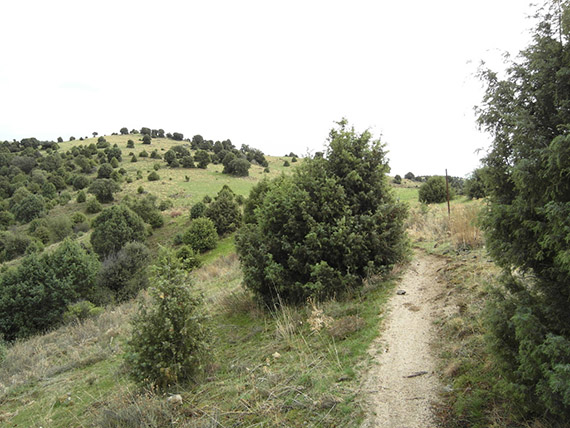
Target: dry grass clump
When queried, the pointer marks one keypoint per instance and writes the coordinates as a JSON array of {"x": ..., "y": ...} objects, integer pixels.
[
  {"x": 465, "y": 233},
  {"x": 343, "y": 327},
  {"x": 432, "y": 223}
]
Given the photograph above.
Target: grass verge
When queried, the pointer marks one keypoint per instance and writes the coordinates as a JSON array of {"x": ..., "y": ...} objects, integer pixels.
[{"x": 286, "y": 367}]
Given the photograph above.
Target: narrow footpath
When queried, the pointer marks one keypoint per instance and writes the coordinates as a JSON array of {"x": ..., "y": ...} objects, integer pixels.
[{"x": 402, "y": 383}]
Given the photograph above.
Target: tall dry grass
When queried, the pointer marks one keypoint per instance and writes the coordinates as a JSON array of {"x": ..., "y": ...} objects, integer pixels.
[{"x": 432, "y": 223}]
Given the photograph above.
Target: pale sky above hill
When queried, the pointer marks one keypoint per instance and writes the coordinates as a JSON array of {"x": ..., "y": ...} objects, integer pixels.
[{"x": 273, "y": 75}]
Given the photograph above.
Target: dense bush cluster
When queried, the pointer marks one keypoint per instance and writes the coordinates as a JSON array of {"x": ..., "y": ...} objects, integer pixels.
[
  {"x": 323, "y": 229},
  {"x": 527, "y": 222}
]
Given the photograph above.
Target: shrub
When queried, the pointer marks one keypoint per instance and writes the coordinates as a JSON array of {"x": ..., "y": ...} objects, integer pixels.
[
  {"x": 188, "y": 257},
  {"x": 224, "y": 212},
  {"x": 114, "y": 227},
  {"x": 93, "y": 206},
  {"x": 153, "y": 176},
  {"x": 114, "y": 163},
  {"x": 169, "y": 336},
  {"x": 29, "y": 208},
  {"x": 207, "y": 199},
  {"x": 59, "y": 227},
  {"x": 143, "y": 154},
  {"x": 397, "y": 179},
  {"x": 475, "y": 185},
  {"x": 201, "y": 235},
  {"x": 165, "y": 204},
  {"x": 146, "y": 139},
  {"x": 202, "y": 158},
  {"x": 286, "y": 163},
  {"x": 105, "y": 171},
  {"x": 433, "y": 191},
  {"x": 77, "y": 218},
  {"x": 321, "y": 230},
  {"x": 64, "y": 198},
  {"x": 198, "y": 210},
  {"x": 133, "y": 159},
  {"x": 130, "y": 144},
  {"x": 103, "y": 189},
  {"x": 37, "y": 292},
  {"x": 124, "y": 272},
  {"x": 146, "y": 208},
  {"x": 81, "y": 197},
  {"x": 81, "y": 311},
  {"x": 409, "y": 176},
  {"x": 15, "y": 244}
]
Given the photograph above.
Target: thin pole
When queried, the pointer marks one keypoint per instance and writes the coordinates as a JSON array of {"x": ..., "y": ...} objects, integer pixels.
[{"x": 447, "y": 188}]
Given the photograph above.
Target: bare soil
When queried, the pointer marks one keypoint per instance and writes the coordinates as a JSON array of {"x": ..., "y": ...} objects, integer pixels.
[{"x": 402, "y": 384}]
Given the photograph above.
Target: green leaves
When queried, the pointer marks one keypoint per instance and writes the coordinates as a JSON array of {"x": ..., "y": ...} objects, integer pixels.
[{"x": 319, "y": 231}]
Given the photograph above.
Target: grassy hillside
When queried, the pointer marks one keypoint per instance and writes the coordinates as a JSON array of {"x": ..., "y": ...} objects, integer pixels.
[{"x": 284, "y": 367}]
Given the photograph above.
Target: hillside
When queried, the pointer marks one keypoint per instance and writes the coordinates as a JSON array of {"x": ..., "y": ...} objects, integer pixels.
[{"x": 286, "y": 367}]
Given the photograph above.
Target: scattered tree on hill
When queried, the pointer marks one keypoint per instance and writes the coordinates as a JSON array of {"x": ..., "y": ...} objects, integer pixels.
[
  {"x": 201, "y": 235},
  {"x": 114, "y": 227},
  {"x": 225, "y": 212},
  {"x": 397, "y": 179},
  {"x": 202, "y": 158},
  {"x": 409, "y": 176},
  {"x": 321, "y": 230},
  {"x": 146, "y": 139},
  {"x": 124, "y": 273},
  {"x": 29, "y": 208},
  {"x": 527, "y": 220},
  {"x": 103, "y": 189},
  {"x": 124, "y": 131},
  {"x": 433, "y": 191}
]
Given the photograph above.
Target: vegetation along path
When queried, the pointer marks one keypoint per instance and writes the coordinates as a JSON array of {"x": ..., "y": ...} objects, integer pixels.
[{"x": 402, "y": 383}]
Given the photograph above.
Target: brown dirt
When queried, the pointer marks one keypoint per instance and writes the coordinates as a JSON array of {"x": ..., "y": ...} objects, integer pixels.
[{"x": 403, "y": 384}]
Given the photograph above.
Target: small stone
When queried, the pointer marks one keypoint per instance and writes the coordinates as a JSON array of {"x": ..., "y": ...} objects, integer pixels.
[
  {"x": 276, "y": 355},
  {"x": 401, "y": 292},
  {"x": 174, "y": 399}
]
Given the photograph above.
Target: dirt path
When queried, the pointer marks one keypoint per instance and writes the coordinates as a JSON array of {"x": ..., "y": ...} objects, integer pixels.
[{"x": 402, "y": 382}]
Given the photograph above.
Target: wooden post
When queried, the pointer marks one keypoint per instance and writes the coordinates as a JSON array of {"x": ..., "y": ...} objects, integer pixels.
[{"x": 447, "y": 189}]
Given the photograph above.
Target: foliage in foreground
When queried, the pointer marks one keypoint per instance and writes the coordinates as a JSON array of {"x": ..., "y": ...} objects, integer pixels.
[
  {"x": 322, "y": 230},
  {"x": 528, "y": 221},
  {"x": 169, "y": 333}
]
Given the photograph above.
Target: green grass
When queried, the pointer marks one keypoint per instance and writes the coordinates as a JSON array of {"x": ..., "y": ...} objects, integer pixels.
[{"x": 267, "y": 368}]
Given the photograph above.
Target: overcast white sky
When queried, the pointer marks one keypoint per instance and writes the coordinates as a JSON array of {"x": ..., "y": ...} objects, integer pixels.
[{"x": 271, "y": 74}]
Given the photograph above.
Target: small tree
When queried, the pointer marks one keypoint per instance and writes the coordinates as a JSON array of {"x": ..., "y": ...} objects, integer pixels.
[
  {"x": 433, "y": 191},
  {"x": 201, "y": 235},
  {"x": 114, "y": 227},
  {"x": 146, "y": 139},
  {"x": 31, "y": 207},
  {"x": 198, "y": 210},
  {"x": 169, "y": 339},
  {"x": 224, "y": 212},
  {"x": 103, "y": 189},
  {"x": 124, "y": 131},
  {"x": 320, "y": 231},
  {"x": 124, "y": 272},
  {"x": 202, "y": 158},
  {"x": 397, "y": 179},
  {"x": 153, "y": 176}
]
